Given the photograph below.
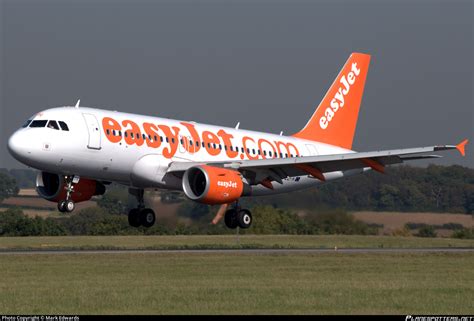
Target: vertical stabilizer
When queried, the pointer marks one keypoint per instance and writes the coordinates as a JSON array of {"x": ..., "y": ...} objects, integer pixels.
[{"x": 334, "y": 121}]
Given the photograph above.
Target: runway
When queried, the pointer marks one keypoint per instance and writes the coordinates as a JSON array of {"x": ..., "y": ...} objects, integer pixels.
[{"x": 240, "y": 251}]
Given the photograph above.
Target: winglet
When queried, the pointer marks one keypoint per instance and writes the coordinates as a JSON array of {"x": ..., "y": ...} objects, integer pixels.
[
  {"x": 77, "y": 104},
  {"x": 462, "y": 146}
]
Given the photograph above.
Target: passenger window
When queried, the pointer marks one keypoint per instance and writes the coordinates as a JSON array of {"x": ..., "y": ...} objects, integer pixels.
[
  {"x": 63, "y": 126},
  {"x": 53, "y": 125},
  {"x": 124, "y": 134},
  {"x": 38, "y": 123},
  {"x": 108, "y": 132}
]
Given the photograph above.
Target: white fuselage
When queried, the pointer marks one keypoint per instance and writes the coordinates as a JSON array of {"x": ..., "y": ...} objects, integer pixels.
[{"x": 136, "y": 150}]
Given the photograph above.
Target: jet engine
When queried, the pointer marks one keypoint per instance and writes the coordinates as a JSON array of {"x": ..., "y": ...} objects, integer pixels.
[
  {"x": 52, "y": 188},
  {"x": 212, "y": 185}
]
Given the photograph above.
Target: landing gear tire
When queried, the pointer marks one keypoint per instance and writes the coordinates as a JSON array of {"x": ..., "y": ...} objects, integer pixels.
[
  {"x": 244, "y": 218},
  {"x": 62, "y": 206},
  {"x": 70, "y": 206},
  {"x": 66, "y": 206},
  {"x": 147, "y": 217},
  {"x": 133, "y": 217},
  {"x": 230, "y": 219}
]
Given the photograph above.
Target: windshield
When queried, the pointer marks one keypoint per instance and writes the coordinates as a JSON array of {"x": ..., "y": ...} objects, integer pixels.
[
  {"x": 38, "y": 123},
  {"x": 53, "y": 124}
]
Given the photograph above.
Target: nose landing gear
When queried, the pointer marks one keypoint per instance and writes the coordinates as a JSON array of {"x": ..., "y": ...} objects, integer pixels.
[
  {"x": 67, "y": 205},
  {"x": 140, "y": 216}
]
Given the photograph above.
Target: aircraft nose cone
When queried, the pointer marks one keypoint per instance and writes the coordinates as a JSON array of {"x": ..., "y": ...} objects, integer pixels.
[{"x": 17, "y": 146}]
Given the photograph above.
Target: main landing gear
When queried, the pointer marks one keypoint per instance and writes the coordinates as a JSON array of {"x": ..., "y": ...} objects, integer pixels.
[
  {"x": 140, "y": 216},
  {"x": 238, "y": 216},
  {"x": 67, "y": 205}
]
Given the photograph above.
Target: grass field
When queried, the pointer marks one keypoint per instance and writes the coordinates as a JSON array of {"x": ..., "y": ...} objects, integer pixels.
[
  {"x": 393, "y": 221},
  {"x": 227, "y": 241},
  {"x": 334, "y": 283}
]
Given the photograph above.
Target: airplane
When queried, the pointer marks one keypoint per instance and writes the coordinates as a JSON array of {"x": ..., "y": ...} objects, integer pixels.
[{"x": 79, "y": 150}]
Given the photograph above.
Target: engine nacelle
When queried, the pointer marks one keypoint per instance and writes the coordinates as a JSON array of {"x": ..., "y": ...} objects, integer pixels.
[
  {"x": 212, "y": 185},
  {"x": 52, "y": 188}
]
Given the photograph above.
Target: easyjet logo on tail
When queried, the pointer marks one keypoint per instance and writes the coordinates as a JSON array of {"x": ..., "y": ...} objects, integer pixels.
[
  {"x": 342, "y": 100},
  {"x": 338, "y": 100}
]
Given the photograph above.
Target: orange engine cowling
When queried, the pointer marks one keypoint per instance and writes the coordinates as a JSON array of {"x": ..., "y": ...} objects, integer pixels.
[
  {"x": 212, "y": 185},
  {"x": 52, "y": 188}
]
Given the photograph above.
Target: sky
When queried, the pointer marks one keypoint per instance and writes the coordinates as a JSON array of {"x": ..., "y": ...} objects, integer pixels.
[{"x": 265, "y": 64}]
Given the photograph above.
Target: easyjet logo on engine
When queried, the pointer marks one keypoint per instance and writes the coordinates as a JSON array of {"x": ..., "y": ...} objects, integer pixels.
[
  {"x": 227, "y": 184},
  {"x": 186, "y": 135},
  {"x": 339, "y": 98}
]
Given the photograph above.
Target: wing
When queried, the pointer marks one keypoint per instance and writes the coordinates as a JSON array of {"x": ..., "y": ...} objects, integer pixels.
[{"x": 275, "y": 169}]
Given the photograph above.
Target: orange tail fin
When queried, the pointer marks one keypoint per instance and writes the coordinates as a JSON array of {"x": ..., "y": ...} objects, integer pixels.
[{"x": 334, "y": 121}]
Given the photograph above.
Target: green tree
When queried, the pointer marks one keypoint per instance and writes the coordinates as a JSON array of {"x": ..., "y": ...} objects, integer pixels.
[
  {"x": 464, "y": 233},
  {"x": 112, "y": 203},
  {"x": 388, "y": 199},
  {"x": 270, "y": 220},
  {"x": 8, "y": 186},
  {"x": 427, "y": 231},
  {"x": 338, "y": 222},
  {"x": 14, "y": 223}
]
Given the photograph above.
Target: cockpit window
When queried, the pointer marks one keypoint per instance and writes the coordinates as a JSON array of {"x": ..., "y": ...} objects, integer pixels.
[
  {"x": 26, "y": 124},
  {"x": 53, "y": 125},
  {"x": 63, "y": 126},
  {"x": 38, "y": 123}
]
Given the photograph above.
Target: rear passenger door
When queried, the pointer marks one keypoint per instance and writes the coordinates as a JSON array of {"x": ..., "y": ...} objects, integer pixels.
[{"x": 94, "y": 132}]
